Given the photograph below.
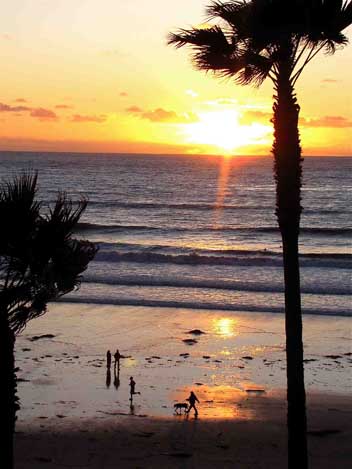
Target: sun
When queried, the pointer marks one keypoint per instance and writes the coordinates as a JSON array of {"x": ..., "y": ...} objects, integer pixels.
[{"x": 222, "y": 129}]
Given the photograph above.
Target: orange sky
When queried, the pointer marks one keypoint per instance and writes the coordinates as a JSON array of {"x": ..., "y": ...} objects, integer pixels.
[{"x": 96, "y": 75}]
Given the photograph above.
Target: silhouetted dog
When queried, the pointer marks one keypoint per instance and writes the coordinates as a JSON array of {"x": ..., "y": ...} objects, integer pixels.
[{"x": 179, "y": 406}]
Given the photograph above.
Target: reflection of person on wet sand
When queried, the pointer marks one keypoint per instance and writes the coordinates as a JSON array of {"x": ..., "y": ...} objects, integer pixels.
[
  {"x": 117, "y": 377},
  {"x": 108, "y": 377},
  {"x": 131, "y": 408},
  {"x": 117, "y": 357},
  {"x": 108, "y": 359},
  {"x": 192, "y": 403}
]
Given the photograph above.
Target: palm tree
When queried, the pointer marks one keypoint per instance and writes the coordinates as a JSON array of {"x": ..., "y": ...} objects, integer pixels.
[
  {"x": 39, "y": 262},
  {"x": 252, "y": 40}
]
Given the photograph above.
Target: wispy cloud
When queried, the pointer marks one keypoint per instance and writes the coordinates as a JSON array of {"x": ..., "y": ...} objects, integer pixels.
[
  {"x": 88, "y": 118},
  {"x": 63, "y": 106},
  {"x": 327, "y": 121},
  {"x": 44, "y": 114},
  {"x": 123, "y": 94},
  {"x": 38, "y": 113},
  {"x": 256, "y": 116},
  {"x": 191, "y": 93},
  {"x": 9, "y": 108},
  {"x": 329, "y": 80},
  {"x": 134, "y": 109},
  {"x": 21, "y": 100},
  {"x": 161, "y": 115},
  {"x": 112, "y": 52}
]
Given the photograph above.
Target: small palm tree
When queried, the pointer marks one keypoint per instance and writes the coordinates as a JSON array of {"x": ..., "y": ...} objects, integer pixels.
[
  {"x": 253, "y": 40},
  {"x": 39, "y": 262}
]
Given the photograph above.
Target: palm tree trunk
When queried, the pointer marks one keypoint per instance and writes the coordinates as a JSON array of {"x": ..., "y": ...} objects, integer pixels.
[
  {"x": 288, "y": 172},
  {"x": 8, "y": 398}
]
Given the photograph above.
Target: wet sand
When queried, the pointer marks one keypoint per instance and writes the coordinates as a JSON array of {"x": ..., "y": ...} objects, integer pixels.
[{"x": 74, "y": 414}]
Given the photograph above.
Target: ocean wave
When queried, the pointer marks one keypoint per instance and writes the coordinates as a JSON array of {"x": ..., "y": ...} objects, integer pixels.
[
  {"x": 147, "y": 281},
  {"x": 193, "y": 305},
  {"x": 243, "y": 258},
  {"x": 332, "y": 231},
  {"x": 175, "y": 205},
  {"x": 202, "y": 206},
  {"x": 111, "y": 227}
]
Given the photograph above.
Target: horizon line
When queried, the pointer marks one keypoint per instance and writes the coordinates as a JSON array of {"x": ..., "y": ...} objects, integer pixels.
[{"x": 207, "y": 155}]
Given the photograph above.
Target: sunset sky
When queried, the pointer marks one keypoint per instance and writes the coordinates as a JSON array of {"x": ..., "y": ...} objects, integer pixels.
[{"x": 97, "y": 75}]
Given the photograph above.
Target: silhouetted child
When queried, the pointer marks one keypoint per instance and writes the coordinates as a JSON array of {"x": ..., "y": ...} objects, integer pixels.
[
  {"x": 108, "y": 359},
  {"x": 117, "y": 357},
  {"x": 192, "y": 403},
  {"x": 132, "y": 386}
]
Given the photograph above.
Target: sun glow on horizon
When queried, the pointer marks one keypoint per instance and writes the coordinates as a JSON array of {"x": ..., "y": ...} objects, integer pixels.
[{"x": 223, "y": 129}]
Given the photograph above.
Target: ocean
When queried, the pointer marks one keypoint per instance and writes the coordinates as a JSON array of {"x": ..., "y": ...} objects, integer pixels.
[{"x": 200, "y": 232}]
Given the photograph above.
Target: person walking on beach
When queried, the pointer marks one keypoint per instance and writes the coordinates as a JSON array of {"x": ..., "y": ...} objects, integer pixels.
[
  {"x": 132, "y": 386},
  {"x": 108, "y": 359},
  {"x": 192, "y": 403},
  {"x": 117, "y": 357}
]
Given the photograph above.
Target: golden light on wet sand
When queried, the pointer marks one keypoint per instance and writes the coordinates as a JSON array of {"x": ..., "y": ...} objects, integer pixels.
[{"x": 225, "y": 327}]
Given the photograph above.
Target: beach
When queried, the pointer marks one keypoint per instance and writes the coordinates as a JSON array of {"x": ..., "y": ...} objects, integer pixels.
[{"x": 75, "y": 415}]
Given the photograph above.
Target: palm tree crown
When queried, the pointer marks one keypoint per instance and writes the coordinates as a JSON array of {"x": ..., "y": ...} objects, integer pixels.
[{"x": 247, "y": 43}]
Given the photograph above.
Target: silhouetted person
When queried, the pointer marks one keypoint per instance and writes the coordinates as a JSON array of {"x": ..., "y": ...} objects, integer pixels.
[
  {"x": 132, "y": 386},
  {"x": 108, "y": 359},
  {"x": 108, "y": 377},
  {"x": 117, "y": 357},
  {"x": 117, "y": 378},
  {"x": 192, "y": 403}
]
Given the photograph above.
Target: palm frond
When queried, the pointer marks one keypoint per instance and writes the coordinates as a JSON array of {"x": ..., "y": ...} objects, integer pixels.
[
  {"x": 39, "y": 259},
  {"x": 199, "y": 37},
  {"x": 235, "y": 15}
]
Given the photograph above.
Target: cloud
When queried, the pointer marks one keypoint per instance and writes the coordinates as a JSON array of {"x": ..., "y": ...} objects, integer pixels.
[
  {"x": 21, "y": 100},
  {"x": 63, "y": 106},
  {"x": 327, "y": 121},
  {"x": 329, "y": 80},
  {"x": 112, "y": 52},
  {"x": 161, "y": 115},
  {"x": 8, "y": 108},
  {"x": 7, "y": 37},
  {"x": 39, "y": 113},
  {"x": 44, "y": 114},
  {"x": 249, "y": 117},
  {"x": 134, "y": 109},
  {"x": 191, "y": 93},
  {"x": 123, "y": 94},
  {"x": 88, "y": 118}
]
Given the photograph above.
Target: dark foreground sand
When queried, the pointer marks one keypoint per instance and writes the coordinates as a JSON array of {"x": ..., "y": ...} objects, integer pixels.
[{"x": 135, "y": 441}]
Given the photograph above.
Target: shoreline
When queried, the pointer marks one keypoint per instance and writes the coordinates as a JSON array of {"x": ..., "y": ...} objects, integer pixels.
[{"x": 201, "y": 307}]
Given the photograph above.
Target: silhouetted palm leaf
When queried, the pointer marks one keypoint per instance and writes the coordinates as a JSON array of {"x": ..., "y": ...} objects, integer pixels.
[{"x": 39, "y": 259}]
